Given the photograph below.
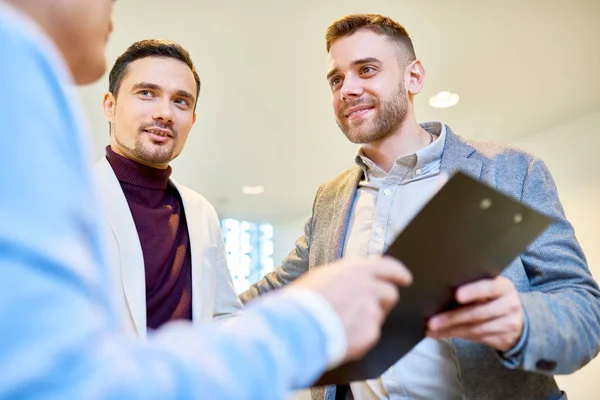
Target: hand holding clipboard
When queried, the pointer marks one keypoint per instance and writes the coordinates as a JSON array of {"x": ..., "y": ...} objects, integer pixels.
[{"x": 477, "y": 232}]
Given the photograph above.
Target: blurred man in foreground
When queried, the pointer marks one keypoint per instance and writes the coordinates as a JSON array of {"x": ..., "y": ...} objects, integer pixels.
[{"x": 61, "y": 335}]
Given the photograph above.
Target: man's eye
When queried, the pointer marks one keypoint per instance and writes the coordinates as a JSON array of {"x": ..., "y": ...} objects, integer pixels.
[{"x": 366, "y": 70}]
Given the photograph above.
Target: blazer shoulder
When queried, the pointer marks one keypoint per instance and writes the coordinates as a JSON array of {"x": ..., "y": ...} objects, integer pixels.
[
  {"x": 191, "y": 195},
  {"x": 193, "y": 198},
  {"x": 100, "y": 165},
  {"x": 498, "y": 152},
  {"x": 351, "y": 174}
]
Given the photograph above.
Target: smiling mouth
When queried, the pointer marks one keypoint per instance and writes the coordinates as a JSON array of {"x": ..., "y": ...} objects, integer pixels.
[
  {"x": 158, "y": 132},
  {"x": 158, "y": 135},
  {"x": 358, "y": 113}
]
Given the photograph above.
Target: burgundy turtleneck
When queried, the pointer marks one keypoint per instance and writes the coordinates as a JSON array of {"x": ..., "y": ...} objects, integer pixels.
[{"x": 159, "y": 218}]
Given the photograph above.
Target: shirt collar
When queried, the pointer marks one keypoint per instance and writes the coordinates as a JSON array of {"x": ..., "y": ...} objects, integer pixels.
[{"x": 423, "y": 158}]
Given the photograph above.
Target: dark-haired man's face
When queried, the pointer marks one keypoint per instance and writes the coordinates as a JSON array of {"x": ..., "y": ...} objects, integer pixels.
[
  {"x": 366, "y": 78},
  {"x": 154, "y": 111}
]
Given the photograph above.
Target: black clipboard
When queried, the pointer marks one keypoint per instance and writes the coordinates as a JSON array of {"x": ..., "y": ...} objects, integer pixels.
[{"x": 466, "y": 232}]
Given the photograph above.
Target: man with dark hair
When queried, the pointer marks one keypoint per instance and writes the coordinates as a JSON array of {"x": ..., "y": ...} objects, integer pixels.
[
  {"x": 166, "y": 239},
  {"x": 60, "y": 333},
  {"x": 541, "y": 317}
]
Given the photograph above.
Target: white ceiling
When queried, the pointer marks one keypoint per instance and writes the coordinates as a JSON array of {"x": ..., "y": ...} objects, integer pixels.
[{"x": 264, "y": 115}]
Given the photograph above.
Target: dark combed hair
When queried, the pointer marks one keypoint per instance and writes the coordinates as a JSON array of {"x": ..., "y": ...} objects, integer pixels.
[
  {"x": 149, "y": 48},
  {"x": 374, "y": 22}
]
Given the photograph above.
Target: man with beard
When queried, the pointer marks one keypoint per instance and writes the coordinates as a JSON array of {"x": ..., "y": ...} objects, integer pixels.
[
  {"x": 166, "y": 238},
  {"x": 509, "y": 337}
]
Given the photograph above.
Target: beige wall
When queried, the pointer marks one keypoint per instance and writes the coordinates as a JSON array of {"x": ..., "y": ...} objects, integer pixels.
[{"x": 570, "y": 151}]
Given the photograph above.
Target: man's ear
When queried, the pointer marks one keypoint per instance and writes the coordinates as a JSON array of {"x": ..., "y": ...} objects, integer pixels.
[
  {"x": 415, "y": 77},
  {"x": 109, "y": 103}
]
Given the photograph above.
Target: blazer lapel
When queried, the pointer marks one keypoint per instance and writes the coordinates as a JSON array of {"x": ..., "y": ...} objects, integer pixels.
[
  {"x": 199, "y": 239},
  {"x": 456, "y": 156},
  {"x": 341, "y": 204},
  {"x": 130, "y": 250}
]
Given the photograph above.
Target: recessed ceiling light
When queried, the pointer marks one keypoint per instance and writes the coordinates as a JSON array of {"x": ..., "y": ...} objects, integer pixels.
[
  {"x": 252, "y": 189},
  {"x": 444, "y": 100}
]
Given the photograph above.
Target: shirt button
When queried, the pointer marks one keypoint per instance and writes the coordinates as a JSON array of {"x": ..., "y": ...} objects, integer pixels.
[
  {"x": 387, "y": 192},
  {"x": 379, "y": 230},
  {"x": 418, "y": 172}
]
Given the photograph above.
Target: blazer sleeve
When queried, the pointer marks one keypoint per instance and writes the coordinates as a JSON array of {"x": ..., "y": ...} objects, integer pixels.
[
  {"x": 563, "y": 309},
  {"x": 294, "y": 264}
]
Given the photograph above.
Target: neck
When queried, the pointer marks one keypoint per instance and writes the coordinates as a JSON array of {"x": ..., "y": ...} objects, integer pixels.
[
  {"x": 132, "y": 172},
  {"x": 408, "y": 139}
]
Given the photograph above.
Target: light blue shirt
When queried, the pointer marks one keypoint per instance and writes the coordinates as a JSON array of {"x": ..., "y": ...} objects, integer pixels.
[
  {"x": 384, "y": 204},
  {"x": 59, "y": 332}
]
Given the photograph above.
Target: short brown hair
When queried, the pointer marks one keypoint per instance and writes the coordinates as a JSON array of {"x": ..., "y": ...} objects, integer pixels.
[{"x": 377, "y": 23}]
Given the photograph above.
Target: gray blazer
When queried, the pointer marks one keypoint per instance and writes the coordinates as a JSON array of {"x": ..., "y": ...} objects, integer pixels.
[{"x": 560, "y": 298}]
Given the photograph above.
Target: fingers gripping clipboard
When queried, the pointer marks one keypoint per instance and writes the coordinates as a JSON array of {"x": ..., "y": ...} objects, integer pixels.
[{"x": 466, "y": 232}]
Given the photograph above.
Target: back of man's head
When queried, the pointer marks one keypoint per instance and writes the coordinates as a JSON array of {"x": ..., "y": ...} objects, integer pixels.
[{"x": 78, "y": 28}]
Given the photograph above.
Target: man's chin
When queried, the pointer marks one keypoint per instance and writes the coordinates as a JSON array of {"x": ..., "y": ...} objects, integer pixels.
[
  {"x": 160, "y": 157},
  {"x": 358, "y": 136}
]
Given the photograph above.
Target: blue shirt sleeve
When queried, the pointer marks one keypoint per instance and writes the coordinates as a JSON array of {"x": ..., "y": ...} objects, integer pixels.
[{"x": 59, "y": 334}]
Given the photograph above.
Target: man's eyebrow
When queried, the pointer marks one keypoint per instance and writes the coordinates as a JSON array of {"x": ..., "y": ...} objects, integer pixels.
[
  {"x": 153, "y": 86},
  {"x": 332, "y": 73},
  {"x": 367, "y": 60},
  {"x": 145, "y": 85},
  {"x": 185, "y": 94}
]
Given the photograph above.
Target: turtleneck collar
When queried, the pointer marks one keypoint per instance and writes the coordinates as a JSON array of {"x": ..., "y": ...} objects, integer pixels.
[{"x": 137, "y": 174}]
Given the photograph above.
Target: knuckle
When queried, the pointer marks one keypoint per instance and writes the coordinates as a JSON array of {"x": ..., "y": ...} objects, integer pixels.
[
  {"x": 395, "y": 295},
  {"x": 477, "y": 313},
  {"x": 389, "y": 292},
  {"x": 477, "y": 330},
  {"x": 514, "y": 305},
  {"x": 513, "y": 324},
  {"x": 507, "y": 284}
]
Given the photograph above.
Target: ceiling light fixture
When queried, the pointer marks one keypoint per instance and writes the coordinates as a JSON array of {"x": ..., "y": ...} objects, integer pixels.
[
  {"x": 444, "y": 100},
  {"x": 253, "y": 189}
]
